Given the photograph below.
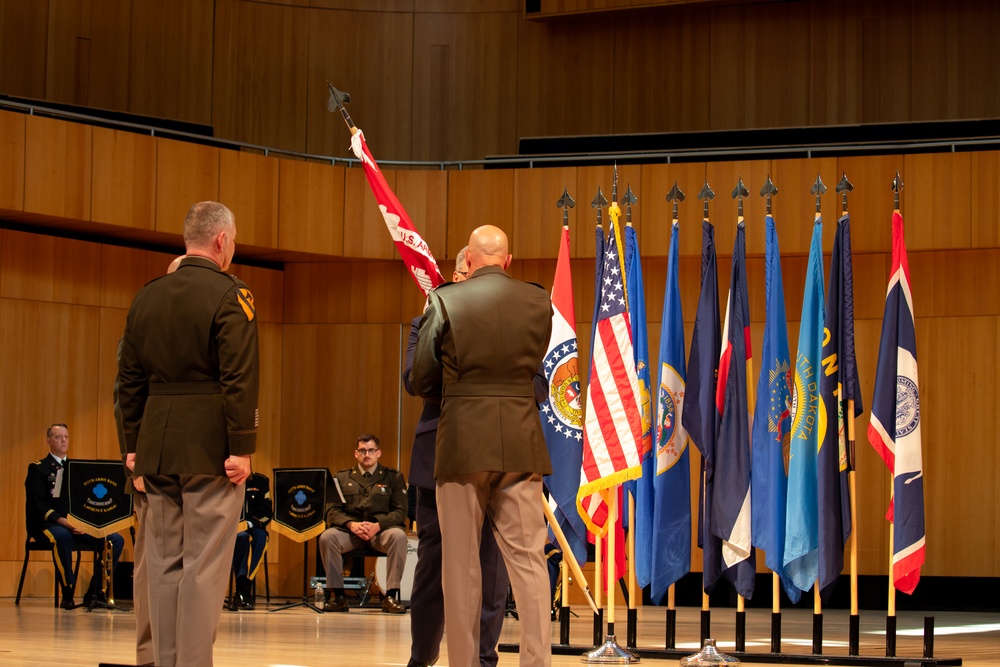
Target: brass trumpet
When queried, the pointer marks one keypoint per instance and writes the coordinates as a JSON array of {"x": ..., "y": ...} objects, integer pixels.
[{"x": 107, "y": 580}]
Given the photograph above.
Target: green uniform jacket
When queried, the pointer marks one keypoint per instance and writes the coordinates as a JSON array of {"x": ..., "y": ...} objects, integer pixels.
[
  {"x": 480, "y": 345},
  {"x": 188, "y": 372},
  {"x": 381, "y": 498}
]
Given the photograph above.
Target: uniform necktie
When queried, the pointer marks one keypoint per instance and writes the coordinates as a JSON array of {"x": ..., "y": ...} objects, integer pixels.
[{"x": 367, "y": 475}]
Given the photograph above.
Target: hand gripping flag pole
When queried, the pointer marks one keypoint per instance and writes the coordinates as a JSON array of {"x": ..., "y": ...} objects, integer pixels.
[{"x": 413, "y": 250}]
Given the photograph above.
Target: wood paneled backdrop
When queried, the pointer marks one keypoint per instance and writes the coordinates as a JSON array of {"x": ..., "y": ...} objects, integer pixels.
[
  {"x": 450, "y": 79},
  {"x": 446, "y": 82}
]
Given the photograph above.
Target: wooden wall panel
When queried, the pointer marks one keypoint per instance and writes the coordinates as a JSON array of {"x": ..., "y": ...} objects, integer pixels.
[
  {"x": 185, "y": 174},
  {"x": 310, "y": 207},
  {"x": 125, "y": 270},
  {"x": 341, "y": 292},
  {"x": 248, "y": 185},
  {"x": 936, "y": 206},
  {"x": 664, "y": 56},
  {"x": 538, "y": 220},
  {"x": 88, "y": 52},
  {"x": 57, "y": 168},
  {"x": 885, "y": 61},
  {"x": 339, "y": 380},
  {"x": 657, "y": 212},
  {"x": 269, "y": 441},
  {"x": 268, "y": 288},
  {"x": 985, "y": 199},
  {"x": 260, "y": 86},
  {"x": 478, "y": 198},
  {"x": 564, "y": 79},
  {"x": 171, "y": 59},
  {"x": 23, "y": 48},
  {"x": 424, "y": 193},
  {"x": 341, "y": 45},
  {"x": 944, "y": 346},
  {"x": 48, "y": 268},
  {"x": 954, "y": 82},
  {"x": 124, "y": 179},
  {"x": 834, "y": 64},
  {"x": 444, "y": 46},
  {"x": 12, "y": 161},
  {"x": 954, "y": 284}
]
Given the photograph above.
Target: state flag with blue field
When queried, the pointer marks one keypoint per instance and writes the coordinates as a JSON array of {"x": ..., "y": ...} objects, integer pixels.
[
  {"x": 641, "y": 488},
  {"x": 894, "y": 430},
  {"x": 839, "y": 385},
  {"x": 772, "y": 422},
  {"x": 699, "y": 418},
  {"x": 731, "y": 499},
  {"x": 562, "y": 413},
  {"x": 801, "y": 558},
  {"x": 671, "y": 524}
]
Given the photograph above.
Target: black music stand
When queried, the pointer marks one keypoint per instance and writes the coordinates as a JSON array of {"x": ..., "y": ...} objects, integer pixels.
[
  {"x": 99, "y": 506},
  {"x": 299, "y": 515}
]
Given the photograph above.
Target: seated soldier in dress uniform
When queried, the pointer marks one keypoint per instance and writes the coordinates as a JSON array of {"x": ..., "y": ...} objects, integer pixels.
[
  {"x": 252, "y": 542},
  {"x": 369, "y": 508}
]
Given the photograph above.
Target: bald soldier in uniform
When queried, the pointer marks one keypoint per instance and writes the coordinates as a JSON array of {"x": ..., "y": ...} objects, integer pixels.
[
  {"x": 479, "y": 347},
  {"x": 187, "y": 387}
]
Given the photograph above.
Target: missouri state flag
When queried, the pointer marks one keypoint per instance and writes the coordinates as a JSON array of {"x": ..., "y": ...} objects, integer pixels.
[
  {"x": 894, "y": 430},
  {"x": 413, "y": 250},
  {"x": 562, "y": 413}
]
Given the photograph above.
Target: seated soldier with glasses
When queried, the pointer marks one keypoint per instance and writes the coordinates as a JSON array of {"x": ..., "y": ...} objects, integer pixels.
[{"x": 369, "y": 508}]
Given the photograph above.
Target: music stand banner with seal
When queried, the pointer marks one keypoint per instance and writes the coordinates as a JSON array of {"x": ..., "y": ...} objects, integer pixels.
[
  {"x": 98, "y": 504},
  {"x": 300, "y": 502}
]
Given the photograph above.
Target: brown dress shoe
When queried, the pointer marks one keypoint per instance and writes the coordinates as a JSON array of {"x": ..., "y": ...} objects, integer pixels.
[
  {"x": 336, "y": 604},
  {"x": 392, "y": 606}
]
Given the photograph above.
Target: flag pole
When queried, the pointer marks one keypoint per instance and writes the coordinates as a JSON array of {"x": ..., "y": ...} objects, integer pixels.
[
  {"x": 845, "y": 187},
  {"x": 674, "y": 197},
  {"x": 818, "y": 190},
  {"x": 336, "y": 101},
  {"x": 706, "y": 195},
  {"x": 628, "y": 199},
  {"x": 598, "y": 589},
  {"x": 768, "y": 191},
  {"x": 739, "y": 192},
  {"x": 581, "y": 579}
]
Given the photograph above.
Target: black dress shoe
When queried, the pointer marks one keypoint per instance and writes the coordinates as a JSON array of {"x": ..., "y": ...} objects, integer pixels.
[
  {"x": 336, "y": 604},
  {"x": 392, "y": 606},
  {"x": 67, "y": 603},
  {"x": 414, "y": 663}
]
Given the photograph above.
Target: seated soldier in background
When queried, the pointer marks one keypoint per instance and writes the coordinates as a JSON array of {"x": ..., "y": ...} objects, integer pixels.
[
  {"x": 46, "y": 491},
  {"x": 252, "y": 542},
  {"x": 369, "y": 509}
]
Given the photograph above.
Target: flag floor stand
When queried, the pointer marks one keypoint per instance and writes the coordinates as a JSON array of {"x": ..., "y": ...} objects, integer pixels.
[{"x": 306, "y": 600}]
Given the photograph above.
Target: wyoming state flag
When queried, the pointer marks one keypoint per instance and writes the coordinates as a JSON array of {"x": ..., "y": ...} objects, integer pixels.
[{"x": 894, "y": 430}]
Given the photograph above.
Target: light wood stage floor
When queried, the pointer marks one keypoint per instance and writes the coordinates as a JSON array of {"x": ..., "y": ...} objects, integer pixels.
[{"x": 37, "y": 634}]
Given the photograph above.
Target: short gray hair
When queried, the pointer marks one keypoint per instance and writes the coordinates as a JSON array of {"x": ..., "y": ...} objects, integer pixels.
[
  {"x": 462, "y": 257},
  {"x": 204, "y": 221}
]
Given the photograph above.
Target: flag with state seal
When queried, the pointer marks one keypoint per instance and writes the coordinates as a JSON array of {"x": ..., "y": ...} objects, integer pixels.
[
  {"x": 894, "y": 430},
  {"x": 562, "y": 413}
]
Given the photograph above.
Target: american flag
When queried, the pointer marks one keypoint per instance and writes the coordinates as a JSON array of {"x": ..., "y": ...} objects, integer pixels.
[{"x": 612, "y": 434}]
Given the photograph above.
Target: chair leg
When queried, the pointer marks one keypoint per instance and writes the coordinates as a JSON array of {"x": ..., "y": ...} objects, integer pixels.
[
  {"x": 24, "y": 571},
  {"x": 267, "y": 581}
]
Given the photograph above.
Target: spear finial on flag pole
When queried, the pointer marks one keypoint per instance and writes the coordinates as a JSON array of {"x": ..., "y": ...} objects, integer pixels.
[
  {"x": 739, "y": 192},
  {"x": 565, "y": 203},
  {"x": 844, "y": 187},
  {"x": 628, "y": 199},
  {"x": 706, "y": 195},
  {"x": 337, "y": 100},
  {"x": 818, "y": 189},
  {"x": 768, "y": 191},
  {"x": 675, "y": 195},
  {"x": 599, "y": 203},
  {"x": 897, "y": 185}
]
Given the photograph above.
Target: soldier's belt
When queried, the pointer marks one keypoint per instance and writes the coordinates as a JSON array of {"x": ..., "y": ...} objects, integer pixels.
[
  {"x": 470, "y": 389},
  {"x": 181, "y": 388}
]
